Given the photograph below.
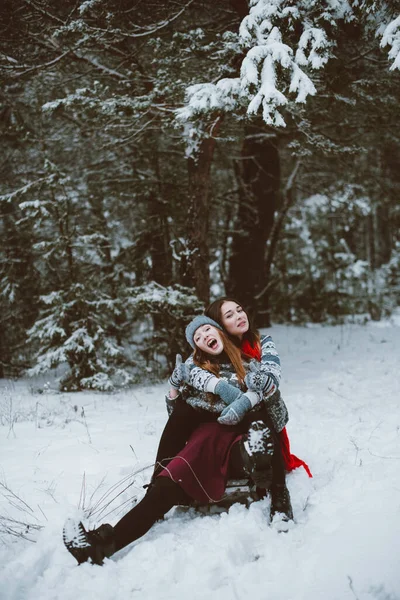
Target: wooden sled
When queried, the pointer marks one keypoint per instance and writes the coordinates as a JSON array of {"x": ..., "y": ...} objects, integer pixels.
[{"x": 237, "y": 490}]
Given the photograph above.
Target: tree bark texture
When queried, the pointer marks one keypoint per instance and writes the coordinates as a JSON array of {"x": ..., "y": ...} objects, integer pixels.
[
  {"x": 241, "y": 7},
  {"x": 160, "y": 250},
  {"x": 258, "y": 174},
  {"x": 196, "y": 261}
]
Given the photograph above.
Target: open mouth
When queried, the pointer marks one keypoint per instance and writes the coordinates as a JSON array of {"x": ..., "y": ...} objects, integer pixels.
[{"x": 212, "y": 344}]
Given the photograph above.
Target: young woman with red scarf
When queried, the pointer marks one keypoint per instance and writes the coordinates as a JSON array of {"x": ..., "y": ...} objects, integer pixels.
[{"x": 230, "y": 314}]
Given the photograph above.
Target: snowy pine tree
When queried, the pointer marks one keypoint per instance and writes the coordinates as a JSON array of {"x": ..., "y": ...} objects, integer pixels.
[
  {"x": 132, "y": 199},
  {"x": 73, "y": 331},
  {"x": 162, "y": 314},
  {"x": 77, "y": 323},
  {"x": 284, "y": 44}
]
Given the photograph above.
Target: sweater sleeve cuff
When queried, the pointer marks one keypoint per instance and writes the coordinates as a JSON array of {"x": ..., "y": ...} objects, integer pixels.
[
  {"x": 211, "y": 384},
  {"x": 253, "y": 397}
]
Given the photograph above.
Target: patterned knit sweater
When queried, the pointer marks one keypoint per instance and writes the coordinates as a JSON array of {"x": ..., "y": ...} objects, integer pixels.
[
  {"x": 270, "y": 364},
  {"x": 194, "y": 393}
]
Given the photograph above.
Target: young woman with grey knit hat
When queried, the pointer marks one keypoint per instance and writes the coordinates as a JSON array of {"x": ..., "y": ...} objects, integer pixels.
[{"x": 200, "y": 470}]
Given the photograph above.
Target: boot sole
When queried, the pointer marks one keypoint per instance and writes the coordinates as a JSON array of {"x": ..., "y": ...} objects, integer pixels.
[{"x": 75, "y": 540}]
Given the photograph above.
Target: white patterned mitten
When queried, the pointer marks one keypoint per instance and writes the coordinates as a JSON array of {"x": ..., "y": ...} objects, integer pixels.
[{"x": 258, "y": 381}]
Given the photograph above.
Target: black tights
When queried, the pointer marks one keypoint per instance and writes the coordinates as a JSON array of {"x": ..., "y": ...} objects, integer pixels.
[{"x": 162, "y": 495}]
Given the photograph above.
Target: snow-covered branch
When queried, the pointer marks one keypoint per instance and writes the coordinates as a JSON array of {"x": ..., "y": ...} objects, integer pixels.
[
  {"x": 284, "y": 43},
  {"x": 82, "y": 26},
  {"x": 271, "y": 72},
  {"x": 391, "y": 37},
  {"x": 27, "y": 188},
  {"x": 46, "y": 65}
]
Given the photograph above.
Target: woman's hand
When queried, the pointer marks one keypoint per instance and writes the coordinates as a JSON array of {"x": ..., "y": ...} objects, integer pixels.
[
  {"x": 234, "y": 413},
  {"x": 171, "y": 399},
  {"x": 179, "y": 375},
  {"x": 259, "y": 381},
  {"x": 227, "y": 392}
]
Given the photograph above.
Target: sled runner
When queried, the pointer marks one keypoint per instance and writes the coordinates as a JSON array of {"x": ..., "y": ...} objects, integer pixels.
[{"x": 237, "y": 490}]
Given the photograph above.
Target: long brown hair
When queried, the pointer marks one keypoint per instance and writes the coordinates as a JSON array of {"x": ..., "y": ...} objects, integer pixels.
[
  {"x": 212, "y": 363},
  {"x": 214, "y": 311}
]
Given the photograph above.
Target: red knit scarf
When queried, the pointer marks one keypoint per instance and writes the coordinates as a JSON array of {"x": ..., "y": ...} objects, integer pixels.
[{"x": 291, "y": 461}]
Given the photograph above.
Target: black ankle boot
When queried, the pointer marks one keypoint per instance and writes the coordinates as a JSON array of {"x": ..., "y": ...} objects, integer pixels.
[
  {"x": 95, "y": 545},
  {"x": 257, "y": 450},
  {"x": 281, "y": 507}
]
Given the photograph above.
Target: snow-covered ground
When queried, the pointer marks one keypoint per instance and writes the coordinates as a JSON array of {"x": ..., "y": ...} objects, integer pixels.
[{"x": 342, "y": 388}]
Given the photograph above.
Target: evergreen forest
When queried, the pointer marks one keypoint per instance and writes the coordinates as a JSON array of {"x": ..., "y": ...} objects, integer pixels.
[{"x": 157, "y": 154}]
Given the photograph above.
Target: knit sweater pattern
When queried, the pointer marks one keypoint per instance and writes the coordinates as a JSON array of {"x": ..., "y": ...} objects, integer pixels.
[{"x": 193, "y": 393}]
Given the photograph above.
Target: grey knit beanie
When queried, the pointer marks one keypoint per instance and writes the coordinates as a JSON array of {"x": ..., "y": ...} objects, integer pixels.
[{"x": 195, "y": 324}]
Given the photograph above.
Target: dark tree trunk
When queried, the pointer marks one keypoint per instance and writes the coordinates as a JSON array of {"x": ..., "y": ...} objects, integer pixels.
[
  {"x": 385, "y": 233},
  {"x": 160, "y": 249},
  {"x": 110, "y": 282},
  {"x": 258, "y": 174},
  {"x": 158, "y": 212},
  {"x": 286, "y": 201},
  {"x": 195, "y": 268},
  {"x": 100, "y": 222},
  {"x": 371, "y": 241},
  {"x": 20, "y": 280}
]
